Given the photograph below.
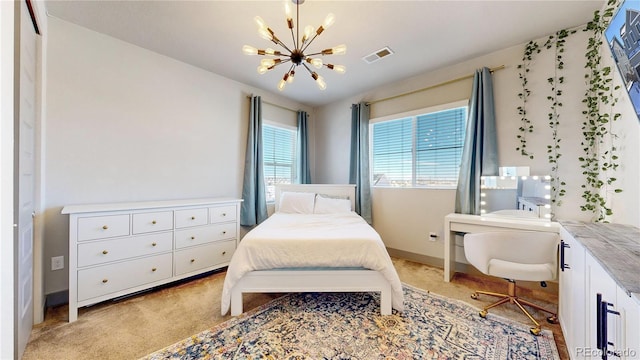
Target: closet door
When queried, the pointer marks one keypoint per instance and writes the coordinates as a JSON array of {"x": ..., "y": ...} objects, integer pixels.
[{"x": 25, "y": 173}]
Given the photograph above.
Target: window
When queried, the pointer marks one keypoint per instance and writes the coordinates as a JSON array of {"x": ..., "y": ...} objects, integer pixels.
[
  {"x": 279, "y": 157},
  {"x": 419, "y": 151}
]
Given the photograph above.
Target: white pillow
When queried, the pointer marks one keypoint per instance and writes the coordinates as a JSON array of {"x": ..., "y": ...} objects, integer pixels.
[
  {"x": 325, "y": 205},
  {"x": 296, "y": 202}
]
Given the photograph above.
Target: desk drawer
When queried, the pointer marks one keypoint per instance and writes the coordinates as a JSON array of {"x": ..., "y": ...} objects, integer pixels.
[
  {"x": 116, "y": 277},
  {"x": 200, "y": 257},
  {"x": 150, "y": 222},
  {"x": 100, "y": 227},
  {"x": 100, "y": 252}
]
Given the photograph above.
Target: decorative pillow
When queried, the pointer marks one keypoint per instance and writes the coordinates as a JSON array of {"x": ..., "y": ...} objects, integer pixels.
[
  {"x": 296, "y": 202},
  {"x": 330, "y": 205}
]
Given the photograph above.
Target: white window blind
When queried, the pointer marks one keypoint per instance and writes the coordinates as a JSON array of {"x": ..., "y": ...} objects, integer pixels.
[
  {"x": 419, "y": 151},
  {"x": 279, "y": 157}
]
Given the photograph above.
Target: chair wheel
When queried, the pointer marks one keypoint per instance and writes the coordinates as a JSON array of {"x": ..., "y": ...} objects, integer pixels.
[
  {"x": 535, "y": 331},
  {"x": 552, "y": 319},
  {"x": 483, "y": 314},
  {"x": 474, "y": 296}
]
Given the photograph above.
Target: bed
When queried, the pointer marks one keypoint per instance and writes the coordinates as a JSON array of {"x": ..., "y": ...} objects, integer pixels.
[{"x": 313, "y": 242}]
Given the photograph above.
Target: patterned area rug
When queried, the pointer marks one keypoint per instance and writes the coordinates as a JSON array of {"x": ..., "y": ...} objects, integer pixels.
[{"x": 349, "y": 326}]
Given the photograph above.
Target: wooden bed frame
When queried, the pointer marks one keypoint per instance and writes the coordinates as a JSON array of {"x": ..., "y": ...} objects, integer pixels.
[{"x": 313, "y": 280}]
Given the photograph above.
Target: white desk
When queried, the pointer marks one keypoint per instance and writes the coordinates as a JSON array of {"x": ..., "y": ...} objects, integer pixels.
[{"x": 462, "y": 223}]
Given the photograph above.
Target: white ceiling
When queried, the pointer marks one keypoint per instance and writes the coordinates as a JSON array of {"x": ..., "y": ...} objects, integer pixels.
[{"x": 425, "y": 35}]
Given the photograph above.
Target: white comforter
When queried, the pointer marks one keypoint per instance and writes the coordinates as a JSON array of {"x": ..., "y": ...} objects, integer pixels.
[{"x": 311, "y": 240}]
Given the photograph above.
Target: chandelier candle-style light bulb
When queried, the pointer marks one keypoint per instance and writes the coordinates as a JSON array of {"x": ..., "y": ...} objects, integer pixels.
[
  {"x": 249, "y": 50},
  {"x": 308, "y": 31},
  {"x": 320, "y": 82},
  {"x": 328, "y": 21},
  {"x": 337, "y": 68},
  {"x": 317, "y": 62},
  {"x": 297, "y": 53}
]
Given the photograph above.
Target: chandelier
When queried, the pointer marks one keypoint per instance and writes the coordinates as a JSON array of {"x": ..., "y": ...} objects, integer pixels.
[{"x": 296, "y": 54}]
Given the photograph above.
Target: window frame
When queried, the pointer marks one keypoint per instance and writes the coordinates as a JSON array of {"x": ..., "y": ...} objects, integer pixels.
[
  {"x": 294, "y": 160},
  {"x": 413, "y": 114}
]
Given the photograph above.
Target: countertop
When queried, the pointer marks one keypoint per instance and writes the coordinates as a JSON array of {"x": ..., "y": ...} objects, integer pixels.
[{"x": 616, "y": 247}]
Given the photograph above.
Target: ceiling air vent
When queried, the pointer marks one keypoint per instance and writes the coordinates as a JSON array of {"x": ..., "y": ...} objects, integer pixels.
[{"x": 371, "y": 58}]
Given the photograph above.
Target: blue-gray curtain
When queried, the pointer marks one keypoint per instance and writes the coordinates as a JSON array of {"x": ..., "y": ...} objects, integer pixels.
[
  {"x": 304, "y": 172},
  {"x": 479, "y": 156},
  {"x": 254, "y": 206},
  {"x": 359, "y": 165}
]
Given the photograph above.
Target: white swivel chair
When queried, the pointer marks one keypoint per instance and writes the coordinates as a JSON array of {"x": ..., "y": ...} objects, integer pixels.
[{"x": 514, "y": 255}]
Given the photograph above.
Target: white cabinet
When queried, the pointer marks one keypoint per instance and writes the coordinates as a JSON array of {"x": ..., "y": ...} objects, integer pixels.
[
  {"x": 599, "y": 319},
  {"x": 119, "y": 249},
  {"x": 629, "y": 341},
  {"x": 602, "y": 315},
  {"x": 572, "y": 293}
]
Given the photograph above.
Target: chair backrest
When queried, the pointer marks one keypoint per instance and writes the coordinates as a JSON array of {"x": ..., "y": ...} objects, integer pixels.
[{"x": 524, "y": 247}]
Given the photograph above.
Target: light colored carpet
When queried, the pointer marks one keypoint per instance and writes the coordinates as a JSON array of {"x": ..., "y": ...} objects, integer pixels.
[{"x": 134, "y": 327}]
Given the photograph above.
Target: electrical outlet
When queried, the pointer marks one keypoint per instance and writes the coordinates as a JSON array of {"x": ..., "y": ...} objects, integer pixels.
[{"x": 57, "y": 263}]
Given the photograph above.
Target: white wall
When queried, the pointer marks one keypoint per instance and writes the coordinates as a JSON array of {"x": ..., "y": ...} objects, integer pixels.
[
  {"x": 404, "y": 217},
  {"x": 127, "y": 124}
]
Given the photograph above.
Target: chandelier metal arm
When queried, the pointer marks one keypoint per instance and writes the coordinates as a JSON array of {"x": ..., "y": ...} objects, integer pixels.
[
  {"x": 314, "y": 54},
  {"x": 309, "y": 70},
  {"x": 295, "y": 44},
  {"x": 309, "y": 43},
  {"x": 286, "y": 57},
  {"x": 279, "y": 42},
  {"x": 279, "y": 63},
  {"x": 296, "y": 40}
]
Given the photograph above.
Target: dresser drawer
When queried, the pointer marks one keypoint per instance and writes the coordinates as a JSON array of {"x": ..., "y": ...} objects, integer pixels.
[
  {"x": 116, "y": 277},
  {"x": 100, "y": 252},
  {"x": 191, "y": 217},
  {"x": 149, "y": 222},
  {"x": 220, "y": 214},
  {"x": 200, "y": 257},
  {"x": 204, "y": 234},
  {"x": 100, "y": 227}
]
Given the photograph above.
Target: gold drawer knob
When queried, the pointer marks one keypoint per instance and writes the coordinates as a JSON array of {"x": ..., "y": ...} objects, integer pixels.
[
  {"x": 104, "y": 281},
  {"x": 154, "y": 269},
  {"x": 224, "y": 232},
  {"x": 105, "y": 227},
  {"x": 224, "y": 253},
  {"x": 105, "y": 252},
  {"x": 193, "y": 260},
  {"x": 193, "y": 218},
  {"x": 193, "y": 238},
  {"x": 153, "y": 222},
  {"x": 153, "y": 244}
]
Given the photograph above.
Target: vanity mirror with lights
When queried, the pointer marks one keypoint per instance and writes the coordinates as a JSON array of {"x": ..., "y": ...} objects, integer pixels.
[{"x": 516, "y": 196}]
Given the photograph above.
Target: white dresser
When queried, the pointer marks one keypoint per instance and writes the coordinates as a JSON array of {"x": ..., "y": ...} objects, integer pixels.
[{"x": 121, "y": 248}]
